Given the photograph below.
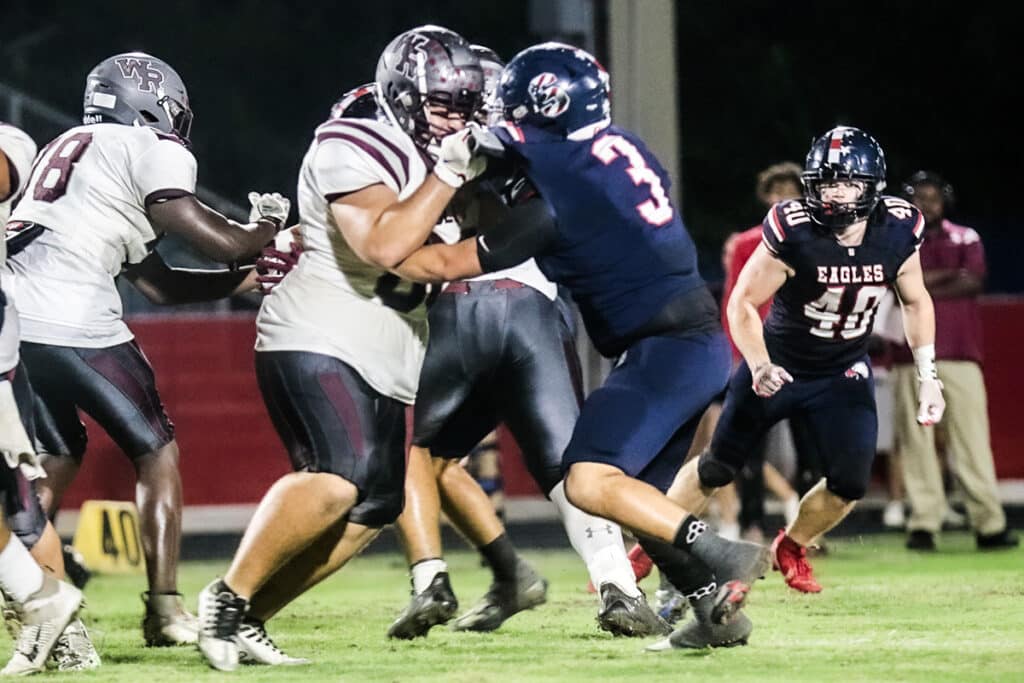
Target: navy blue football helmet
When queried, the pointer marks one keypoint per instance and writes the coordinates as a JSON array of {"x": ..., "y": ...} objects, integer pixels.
[
  {"x": 843, "y": 153},
  {"x": 557, "y": 87}
]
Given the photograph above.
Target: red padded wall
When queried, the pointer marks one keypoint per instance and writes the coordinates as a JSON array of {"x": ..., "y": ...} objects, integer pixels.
[{"x": 230, "y": 453}]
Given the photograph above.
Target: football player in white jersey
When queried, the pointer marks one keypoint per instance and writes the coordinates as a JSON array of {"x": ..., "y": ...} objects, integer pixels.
[
  {"x": 340, "y": 341},
  {"x": 24, "y": 528},
  {"x": 97, "y": 200}
]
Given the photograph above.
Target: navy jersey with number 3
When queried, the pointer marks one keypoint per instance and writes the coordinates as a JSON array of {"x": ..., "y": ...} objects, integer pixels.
[
  {"x": 621, "y": 249},
  {"x": 821, "y": 318}
]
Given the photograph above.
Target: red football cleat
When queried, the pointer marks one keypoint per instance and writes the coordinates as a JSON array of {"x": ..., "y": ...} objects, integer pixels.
[
  {"x": 790, "y": 558},
  {"x": 642, "y": 566},
  {"x": 641, "y": 561}
]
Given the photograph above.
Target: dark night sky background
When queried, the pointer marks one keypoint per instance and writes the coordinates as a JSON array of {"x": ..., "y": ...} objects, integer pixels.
[{"x": 934, "y": 82}]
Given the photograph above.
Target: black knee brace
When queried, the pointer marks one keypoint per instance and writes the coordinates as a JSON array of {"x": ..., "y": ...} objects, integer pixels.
[
  {"x": 847, "y": 490},
  {"x": 714, "y": 473}
]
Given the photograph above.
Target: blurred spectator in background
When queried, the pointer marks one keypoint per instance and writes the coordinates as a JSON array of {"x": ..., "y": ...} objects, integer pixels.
[
  {"x": 886, "y": 334},
  {"x": 953, "y": 261}
]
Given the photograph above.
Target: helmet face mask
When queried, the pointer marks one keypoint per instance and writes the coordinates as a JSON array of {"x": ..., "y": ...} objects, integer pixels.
[
  {"x": 490, "y": 112},
  {"x": 428, "y": 67},
  {"x": 137, "y": 89},
  {"x": 842, "y": 159}
]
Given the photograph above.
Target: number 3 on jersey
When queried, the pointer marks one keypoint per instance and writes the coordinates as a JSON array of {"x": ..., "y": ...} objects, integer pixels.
[
  {"x": 657, "y": 210},
  {"x": 52, "y": 181}
]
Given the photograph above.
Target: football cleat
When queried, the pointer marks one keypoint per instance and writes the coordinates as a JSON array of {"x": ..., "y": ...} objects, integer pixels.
[
  {"x": 503, "y": 600},
  {"x": 624, "y": 615},
  {"x": 44, "y": 616},
  {"x": 790, "y": 558},
  {"x": 74, "y": 650},
  {"x": 12, "y": 616},
  {"x": 743, "y": 561},
  {"x": 729, "y": 599},
  {"x": 166, "y": 622},
  {"x": 703, "y": 631},
  {"x": 669, "y": 601},
  {"x": 698, "y": 634},
  {"x": 256, "y": 647},
  {"x": 220, "y": 617},
  {"x": 436, "y": 604}
]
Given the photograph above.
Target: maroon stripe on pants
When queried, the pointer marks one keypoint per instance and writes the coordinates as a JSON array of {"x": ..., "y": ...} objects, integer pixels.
[{"x": 338, "y": 394}]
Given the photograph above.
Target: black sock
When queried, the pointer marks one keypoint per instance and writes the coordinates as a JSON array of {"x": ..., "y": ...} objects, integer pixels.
[
  {"x": 684, "y": 571},
  {"x": 688, "y": 532},
  {"x": 501, "y": 556}
]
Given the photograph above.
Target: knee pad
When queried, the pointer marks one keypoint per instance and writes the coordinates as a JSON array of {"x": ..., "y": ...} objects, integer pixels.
[
  {"x": 847, "y": 490},
  {"x": 714, "y": 473},
  {"x": 29, "y": 523}
]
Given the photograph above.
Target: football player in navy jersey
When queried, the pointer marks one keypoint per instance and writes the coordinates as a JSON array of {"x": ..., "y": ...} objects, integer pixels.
[
  {"x": 827, "y": 259},
  {"x": 600, "y": 222}
]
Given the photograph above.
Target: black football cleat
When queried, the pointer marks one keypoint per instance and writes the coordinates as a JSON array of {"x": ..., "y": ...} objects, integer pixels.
[
  {"x": 702, "y": 632},
  {"x": 503, "y": 600},
  {"x": 435, "y": 605},
  {"x": 623, "y": 615}
]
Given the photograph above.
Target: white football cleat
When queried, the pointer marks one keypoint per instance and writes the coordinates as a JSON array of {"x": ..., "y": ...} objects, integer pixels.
[
  {"x": 44, "y": 616},
  {"x": 220, "y": 616},
  {"x": 74, "y": 650},
  {"x": 256, "y": 647}
]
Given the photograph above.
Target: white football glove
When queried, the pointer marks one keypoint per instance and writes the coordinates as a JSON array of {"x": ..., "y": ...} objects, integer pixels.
[
  {"x": 457, "y": 161},
  {"x": 931, "y": 404},
  {"x": 272, "y": 206},
  {"x": 769, "y": 378}
]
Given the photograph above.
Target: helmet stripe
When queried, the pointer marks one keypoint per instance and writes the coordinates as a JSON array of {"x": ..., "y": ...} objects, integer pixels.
[{"x": 835, "y": 147}]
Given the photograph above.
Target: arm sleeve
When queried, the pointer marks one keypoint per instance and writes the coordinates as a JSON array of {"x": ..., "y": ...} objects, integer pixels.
[
  {"x": 20, "y": 151},
  {"x": 164, "y": 171},
  {"x": 526, "y": 231}
]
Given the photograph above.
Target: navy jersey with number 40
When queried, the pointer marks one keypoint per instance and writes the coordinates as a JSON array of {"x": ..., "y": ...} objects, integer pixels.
[
  {"x": 820, "y": 319},
  {"x": 621, "y": 247}
]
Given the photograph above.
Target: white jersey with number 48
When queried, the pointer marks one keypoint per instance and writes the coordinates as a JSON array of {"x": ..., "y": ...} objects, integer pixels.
[
  {"x": 83, "y": 217},
  {"x": 333, "y": 302},
  {"x": 20, "y": 150}
]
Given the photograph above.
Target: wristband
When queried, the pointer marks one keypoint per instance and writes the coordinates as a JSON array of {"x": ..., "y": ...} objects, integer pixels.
[{"x": 924, "y": 360}]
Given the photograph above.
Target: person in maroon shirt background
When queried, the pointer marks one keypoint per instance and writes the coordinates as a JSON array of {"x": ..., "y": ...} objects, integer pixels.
[{"x": 953, "y": 261}]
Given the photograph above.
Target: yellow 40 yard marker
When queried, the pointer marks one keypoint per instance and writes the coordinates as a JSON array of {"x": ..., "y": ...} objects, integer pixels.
[{"x": 108, "y": 537}]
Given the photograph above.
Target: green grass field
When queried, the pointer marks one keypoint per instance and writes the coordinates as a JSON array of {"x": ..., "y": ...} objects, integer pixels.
[{"x": 885, "y": 615}]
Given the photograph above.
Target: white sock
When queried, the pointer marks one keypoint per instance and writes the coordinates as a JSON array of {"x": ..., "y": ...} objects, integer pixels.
[
  {"x": 20, "y": 576},
  {"x": 598, "y": 542},
  {"x": 423, "y": 573}
]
